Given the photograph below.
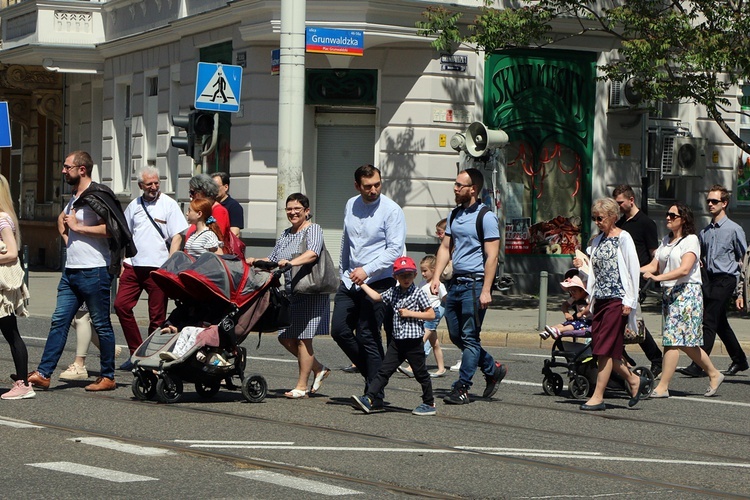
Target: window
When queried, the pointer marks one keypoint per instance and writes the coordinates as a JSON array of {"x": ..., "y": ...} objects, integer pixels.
[
  {"x": 150, "y": 116},
  {"x": 124, "y": 135},
  {"x": 659, "y": 188}
]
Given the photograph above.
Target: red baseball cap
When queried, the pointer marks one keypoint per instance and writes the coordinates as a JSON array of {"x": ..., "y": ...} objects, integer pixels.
[{"x": 404, "y": 265}]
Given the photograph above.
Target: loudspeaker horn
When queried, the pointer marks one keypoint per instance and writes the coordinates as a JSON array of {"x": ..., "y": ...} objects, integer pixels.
[{"x": 480, "y": 140}]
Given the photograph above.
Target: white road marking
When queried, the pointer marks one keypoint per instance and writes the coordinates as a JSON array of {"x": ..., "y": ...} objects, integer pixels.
[
  {"x": 114, "y": 476},
  {"x": 19, "y": 424},
  {"x": 279, "y": 360},
  {"x": 295, "y": 482},
  {"x": 528, "y": 355},
  {"x": 112, "y": 444},
  {"x": 521, "y": 382},
  {"x": 710, "y": 400},
  {"x": 209, "y": 442}
]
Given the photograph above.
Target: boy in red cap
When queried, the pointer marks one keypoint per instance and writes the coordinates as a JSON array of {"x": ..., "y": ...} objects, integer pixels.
[{"x": 411, "y": 308}]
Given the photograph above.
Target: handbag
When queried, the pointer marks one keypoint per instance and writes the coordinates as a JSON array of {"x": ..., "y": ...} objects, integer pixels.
[
  {"x": 319, "y": 277},
  {"x": 234, "y": 246},
  {"x": 278, "y": 314},
  {"x": 11, "y": 276},
  {"x": 637, "y": 336}
]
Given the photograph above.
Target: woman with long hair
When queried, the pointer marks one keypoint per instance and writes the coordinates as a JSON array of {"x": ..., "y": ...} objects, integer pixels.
[
  {"x": 13, "y": 298},
  {"x": 207, "y": 236},
  {"x": 676, "y": 265}
]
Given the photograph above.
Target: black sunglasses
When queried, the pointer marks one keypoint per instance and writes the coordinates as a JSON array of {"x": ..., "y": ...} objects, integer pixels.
[
  {"x": 713, "y": 201},
  {"x": 672, "y": 215},
  {"x": 598, "y": 218}
]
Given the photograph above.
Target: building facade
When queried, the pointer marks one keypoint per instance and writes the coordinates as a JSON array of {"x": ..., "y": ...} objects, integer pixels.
[{"x": 107, "y": 76}]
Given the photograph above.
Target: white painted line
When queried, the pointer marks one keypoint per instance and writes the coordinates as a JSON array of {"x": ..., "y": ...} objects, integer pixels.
[
  {"x": 279, "y": 360},
  {"x": 19, "y": 424},
  {"x": 521, "y": 382},
  {"x": 201, "y": 441},
  {"x": 509, "y": 450},
  {"x": 322, "y": 448},
  {"x": 114, "y": 476},
  {"x": 295, "y": 482},
  {"x": 111, "y": 444},
  {"x": 711, "y": 400},
  {"x": 528, "y": 355}
]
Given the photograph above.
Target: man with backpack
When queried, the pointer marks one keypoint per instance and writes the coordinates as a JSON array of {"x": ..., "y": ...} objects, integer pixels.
[{"x": 472, "y": 237}]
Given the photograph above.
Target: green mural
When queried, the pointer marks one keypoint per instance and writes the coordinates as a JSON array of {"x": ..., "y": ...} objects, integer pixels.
[{"x": 544, "y": 101}]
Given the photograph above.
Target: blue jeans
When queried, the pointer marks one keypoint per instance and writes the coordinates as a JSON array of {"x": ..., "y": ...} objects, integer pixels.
[
  {"x": 464, "y": 318},
  {"x": 77, "y": 286}
]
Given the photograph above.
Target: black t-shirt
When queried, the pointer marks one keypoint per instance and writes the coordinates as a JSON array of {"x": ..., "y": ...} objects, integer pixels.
[
  {"x": 236, "y": 214},
  {"x": 643, "y": 231}
]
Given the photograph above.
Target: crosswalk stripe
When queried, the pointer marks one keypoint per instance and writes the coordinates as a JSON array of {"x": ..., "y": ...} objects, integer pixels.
[
  {"x": 19, "y": 424},
  {"x": 295, "y": 482},
  {"x": 114, "y": 476},
  {"x": 111, "y": 444}
]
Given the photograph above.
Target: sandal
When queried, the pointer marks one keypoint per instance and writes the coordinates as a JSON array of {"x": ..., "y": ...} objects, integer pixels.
[
  {"x": 438, "y": 374},
  {"x": 296, "y": 394},
  {"x": 319, "y": 378}
]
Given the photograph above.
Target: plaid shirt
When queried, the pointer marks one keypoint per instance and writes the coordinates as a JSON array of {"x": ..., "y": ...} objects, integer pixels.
[{"x": 413, "y": 299}]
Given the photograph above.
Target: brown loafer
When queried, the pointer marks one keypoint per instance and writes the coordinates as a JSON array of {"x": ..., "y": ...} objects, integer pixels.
[
  {"x": 102, "y": 384},
  {"x": 38, "y": 380}
]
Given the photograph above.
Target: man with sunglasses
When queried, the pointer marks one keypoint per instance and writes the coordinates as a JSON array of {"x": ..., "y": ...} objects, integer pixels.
[
  {"x": 723, "y": 246},
  {"x": 645, "y": 237}
]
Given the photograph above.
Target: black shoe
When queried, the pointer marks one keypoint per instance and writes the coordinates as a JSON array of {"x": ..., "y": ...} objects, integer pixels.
[
  {"x": 735, "y": 368},
  {"x": 692, "y": 370},
  {"x": 350, "y": 369},
  {"x": 642, "y": 390},
  {"x": 599, "y": 407},
  {"x": 656, "y": 369},
  {"x": 458, "y": 396},
  {"x": 493, "y": 382},
  {"x": 126, "y": 366}
]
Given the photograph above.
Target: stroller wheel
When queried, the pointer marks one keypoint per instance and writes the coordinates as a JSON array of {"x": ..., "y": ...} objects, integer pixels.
[
  {"x": 207, "y": 389},
  {"x": 552, "y": 384},
  {"x": 144, "y": 385},
  {"x": 169, "y": 388},
  {"x": 579, "y": 387},
  {"x": 254, "y": 388},
  {"x": 644, "y": 372}
]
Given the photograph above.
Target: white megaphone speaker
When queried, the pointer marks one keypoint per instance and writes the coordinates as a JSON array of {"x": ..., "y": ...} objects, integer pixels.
[{"x": 480, "y": 140}]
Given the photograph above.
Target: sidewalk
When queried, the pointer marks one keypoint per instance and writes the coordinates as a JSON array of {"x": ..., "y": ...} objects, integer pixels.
[{"x": 512, "y": 321}]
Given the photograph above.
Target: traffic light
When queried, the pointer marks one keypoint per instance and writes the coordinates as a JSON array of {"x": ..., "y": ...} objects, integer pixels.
[{"x": 196, "y": 125}]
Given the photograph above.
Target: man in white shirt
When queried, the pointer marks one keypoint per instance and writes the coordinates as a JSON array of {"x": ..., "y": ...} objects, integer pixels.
[{"x": 156, "y": 222}]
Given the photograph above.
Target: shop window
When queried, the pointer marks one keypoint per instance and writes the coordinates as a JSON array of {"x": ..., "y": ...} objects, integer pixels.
[{"x": 544, "y": 200}]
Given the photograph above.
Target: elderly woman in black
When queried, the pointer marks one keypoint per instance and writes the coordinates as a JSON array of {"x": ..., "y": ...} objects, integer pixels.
[{"x": 613, "y": 288}]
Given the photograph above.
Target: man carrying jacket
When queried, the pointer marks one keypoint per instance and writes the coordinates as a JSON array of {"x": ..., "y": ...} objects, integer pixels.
[{"x": 95, "y": 236}]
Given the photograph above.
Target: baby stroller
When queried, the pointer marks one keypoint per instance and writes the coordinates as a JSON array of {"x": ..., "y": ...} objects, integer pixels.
[
  {"x": 226, "y": 299},
  {"x": 579, "y": 364}
]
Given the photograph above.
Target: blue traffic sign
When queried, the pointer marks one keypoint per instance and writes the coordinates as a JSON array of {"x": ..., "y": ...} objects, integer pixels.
[
  {"x": 217, "y": 87},
  {"x": 5, "y": 141}
]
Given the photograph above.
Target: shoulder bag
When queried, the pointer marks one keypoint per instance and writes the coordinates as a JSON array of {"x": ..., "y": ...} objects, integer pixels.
[{"x": 319, "y": 277}]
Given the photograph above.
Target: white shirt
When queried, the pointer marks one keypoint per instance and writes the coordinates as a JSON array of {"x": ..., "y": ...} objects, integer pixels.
[
  {"x": 86, "y": 252},
  {"x": 435, "y": 300},
  {"x": 669, "y": 257},
  {"x": 152, "y": 248}
]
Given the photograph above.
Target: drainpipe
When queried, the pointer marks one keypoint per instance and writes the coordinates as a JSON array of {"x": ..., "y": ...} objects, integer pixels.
[{"x": 291, "y": 105}]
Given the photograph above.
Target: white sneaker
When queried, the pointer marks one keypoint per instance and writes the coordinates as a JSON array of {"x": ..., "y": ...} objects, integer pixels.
[
  {"x": 19, "y": 391},
  {"x": 75, "y": 372},
  {"x": 456, "y": 367}
]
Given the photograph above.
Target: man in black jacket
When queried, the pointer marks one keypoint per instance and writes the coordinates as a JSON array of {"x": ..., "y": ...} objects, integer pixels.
[{"x": 95, "y": 235}]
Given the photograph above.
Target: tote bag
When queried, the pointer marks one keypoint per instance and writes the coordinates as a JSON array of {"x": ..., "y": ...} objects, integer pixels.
[{"x": 319, "y": 277}]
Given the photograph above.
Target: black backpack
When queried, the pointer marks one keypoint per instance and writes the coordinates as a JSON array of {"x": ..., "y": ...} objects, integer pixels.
[{"x": 480, "y": 227}]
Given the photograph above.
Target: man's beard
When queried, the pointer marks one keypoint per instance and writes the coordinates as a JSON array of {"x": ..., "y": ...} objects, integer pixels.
[
  {"x": 461, "y": 199},
  {"x": 73, "y": 181}
]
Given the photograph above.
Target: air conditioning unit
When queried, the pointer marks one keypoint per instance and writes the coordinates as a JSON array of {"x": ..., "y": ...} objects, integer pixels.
[
  {"x": 623, "y": 95},
  {"x": 683, "y": 156}
]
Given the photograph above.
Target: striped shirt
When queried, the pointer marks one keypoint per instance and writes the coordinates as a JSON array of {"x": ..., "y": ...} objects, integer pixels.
[
  {"x": 201, "y": 243},
  {"x": 413, "y": 299}
]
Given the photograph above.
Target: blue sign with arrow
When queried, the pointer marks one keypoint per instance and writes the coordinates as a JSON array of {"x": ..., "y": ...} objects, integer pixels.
[{"x": 217, "y": 87}]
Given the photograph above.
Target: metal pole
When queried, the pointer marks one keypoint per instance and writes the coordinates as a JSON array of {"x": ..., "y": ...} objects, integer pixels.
[
  {"x": 291, "y": 105},
  {"x": 543, "y": 276}
]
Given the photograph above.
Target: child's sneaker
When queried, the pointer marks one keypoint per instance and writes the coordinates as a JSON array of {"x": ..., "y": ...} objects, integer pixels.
[
  {"x": 458, "y": 396},
  {"x": 424, "y": 409},
  {"x": 456, "y": 367},
  {"x": 544, "y": 334},
  {"x": 19, "y": 391},
  {"x": 75, "y": 372},
  {"x": 363, "y": 403},
  {"x": 552, "y": 331}
]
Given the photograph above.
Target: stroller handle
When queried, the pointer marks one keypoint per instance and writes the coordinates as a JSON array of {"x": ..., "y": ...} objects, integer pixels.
[{"x": 268, "y": 265}]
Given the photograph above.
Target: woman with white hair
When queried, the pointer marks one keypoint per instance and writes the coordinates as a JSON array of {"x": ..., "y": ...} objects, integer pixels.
[{"x": 613, "y": 288}]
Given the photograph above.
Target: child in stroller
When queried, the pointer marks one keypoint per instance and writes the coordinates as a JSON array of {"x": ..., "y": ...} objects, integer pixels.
[{"x": 576, "y": 310}]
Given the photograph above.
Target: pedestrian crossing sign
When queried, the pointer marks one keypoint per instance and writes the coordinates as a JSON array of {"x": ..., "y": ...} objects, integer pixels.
[{"x": 217, "y": 87}]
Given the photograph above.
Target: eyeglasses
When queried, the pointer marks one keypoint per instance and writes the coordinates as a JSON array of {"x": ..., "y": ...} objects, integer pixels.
[
  {"x": 713, "y": 201},
  {"x": 191, "y": 192},
  {"x": 68, "y": 167},
  {"x": 672, "y": 215},
  {"x": 598, "y": 218},
  {"x": 294, "y": 210},
  {"x": 458, "y": 185}
]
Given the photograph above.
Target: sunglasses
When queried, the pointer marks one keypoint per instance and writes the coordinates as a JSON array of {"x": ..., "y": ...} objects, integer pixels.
[
  {"x": 598, "y": 218},
  {"x": 672, "y": 215},
  {"x": 713, "y": 201}
]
